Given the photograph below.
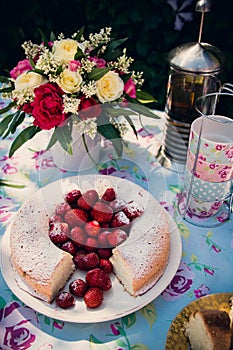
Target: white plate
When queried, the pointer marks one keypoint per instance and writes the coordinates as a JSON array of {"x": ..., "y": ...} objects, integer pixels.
[{"x": 117, "y": 302}]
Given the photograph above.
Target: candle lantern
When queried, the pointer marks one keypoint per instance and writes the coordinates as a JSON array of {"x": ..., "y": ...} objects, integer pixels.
[{"x": 194, "y": 70}]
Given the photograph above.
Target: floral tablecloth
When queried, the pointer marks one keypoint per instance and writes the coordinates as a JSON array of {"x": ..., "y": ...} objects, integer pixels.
[{"x": 206, "y": 266}]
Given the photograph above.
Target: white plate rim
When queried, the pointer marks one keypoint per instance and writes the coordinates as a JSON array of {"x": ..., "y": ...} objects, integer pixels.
[{"x": 117, "y": 295}]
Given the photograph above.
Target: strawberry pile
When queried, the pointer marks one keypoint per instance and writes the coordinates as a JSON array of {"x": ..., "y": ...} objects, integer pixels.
[{"x": 89, "y": 227}]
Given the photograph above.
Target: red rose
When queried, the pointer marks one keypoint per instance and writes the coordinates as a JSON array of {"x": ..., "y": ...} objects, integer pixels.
[
  {"x": 89, "y": 108},
  {"x": 48, "y": 106}
]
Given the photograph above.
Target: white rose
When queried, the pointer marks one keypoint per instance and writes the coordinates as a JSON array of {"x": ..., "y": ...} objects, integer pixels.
[
  {"x": 110, "y": 87},
  {"x": 29, "y": 81},
  {"x": 65, "y": 49},
  {"x": 69, "y": 81}
]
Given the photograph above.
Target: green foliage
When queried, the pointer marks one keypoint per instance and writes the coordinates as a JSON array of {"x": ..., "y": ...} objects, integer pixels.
[{"x": 148, "y": 25}]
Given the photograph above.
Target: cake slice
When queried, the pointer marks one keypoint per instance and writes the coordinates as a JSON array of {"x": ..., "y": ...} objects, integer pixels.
[
  {"x": 139, "y": 264},
  {"x": 43, "y": 267},
  {"x": 209, "y": 330}
]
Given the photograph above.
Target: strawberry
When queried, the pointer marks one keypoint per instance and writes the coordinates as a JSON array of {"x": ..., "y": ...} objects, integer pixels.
[
  {"x": 120, "y": 219},
  {"x": 69, "y": 247},
  {"x": 133, "y": 210},
  {"x": 72, "y": 197},
  {"x": 62, "y": 208},
  {"x": 55, "y": 218},
  {"x": 65, "y": 300},
  {"x": 59, "y": 232},
  {"x": 93, "y": 297},
  {"x": 117, "y": 237},
  {"x": 89, "y": 261},
  {"x": 109, "y": 195},
  {"x": 103, "y": 239},
  {"x": 104, "y": 253},
  {"x": 78, "y": 258},
  {"x": 91, "y": 244},
  {"x": 98, "y": 278},
  {"x": 78, "y": 287},
  {"x": 117, "y": 205},
  {"x": 106, "y": 265},
  {"x": 92, "y": 228},
  {"x": 75, "y": 217},
  {"x": 78, "y": 235},
  {"x": 102, "y": 212},
  {"x": 87, "y": 200}
]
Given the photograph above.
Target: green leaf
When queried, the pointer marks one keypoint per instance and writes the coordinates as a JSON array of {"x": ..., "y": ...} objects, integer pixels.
[
  {"x": 23, "y": 136},
  {"x": 32, "y": 62},
  {"x": 111, "y": 133},
  {"x": 6, "y": 89},
  {"x": 149, "y": 313},
  {"x": 63, "y": 135},
  {"x": 198, "y": 268},
  {"x": 129, "y": 120},
  {"x": 94, "y": 344},
  {"x": 184, "y": 230},
  {"x": 7, "y": 108},
  {"x": 2, "y": 303},
  {"x": 4, "y": 79},
  {"x": 144, "y": 97},
  {"x": 16, "y": 121},
  {"x": 52, "y": 141},
  {"x": 8, "y": 183},
  {"x": 116, "y": 43},
  {"x": 98, "y": 73},
  {"x": 143, "y": 110},
  {"x": 121, "y": 343},
  {"x": 5, "y": 122},
  {"x": 175, "y": 189},
  {"x": 79, "y": 34},
  {"x": 129, "y": 320},
  {"x": 117, "y": 112},
  {"x": 52, "y": 36},
  {"x": 44, "y": 39},
  {"x": 79, "y": 54},
  {"x": 139, "y": 346}
]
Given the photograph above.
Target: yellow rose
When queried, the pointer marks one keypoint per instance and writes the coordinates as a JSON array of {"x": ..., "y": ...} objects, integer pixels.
[
  {"x": 110, "y": 87},
  {"x": 29, "y": 81},
  {"x": 69, "y": 81},
  {"x": 65, "y": 49}
]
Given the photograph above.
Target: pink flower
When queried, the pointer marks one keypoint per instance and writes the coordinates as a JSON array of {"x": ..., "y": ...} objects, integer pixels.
[
  {"x": 100, "y": 62},
  {"x": 201, "y": 291},
  {"x": 16, "y": 327},
  {"x": 130, "y": 88},
  {"x": 48, "y": 106},
  {"x": 180, "y": 284},
  {"x": 22, "y": 66},
  {"x": 74, "y": 65},
  {"x": 218, "y": 147},
  {"x": 229, "y": 153}
]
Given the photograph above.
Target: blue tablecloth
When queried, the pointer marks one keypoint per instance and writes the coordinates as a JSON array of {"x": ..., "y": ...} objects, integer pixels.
[{"x": 205, "y": 267}]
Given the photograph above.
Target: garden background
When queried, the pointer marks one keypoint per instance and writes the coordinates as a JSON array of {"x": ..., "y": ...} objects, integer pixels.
[{"x": 153, "y": 28}]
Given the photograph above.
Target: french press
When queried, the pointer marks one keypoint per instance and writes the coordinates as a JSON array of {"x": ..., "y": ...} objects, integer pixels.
[{"x": 194, "y": 71}]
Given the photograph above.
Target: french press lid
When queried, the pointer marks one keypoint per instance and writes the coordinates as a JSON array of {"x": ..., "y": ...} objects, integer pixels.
[
  {"x": 198, "y": 57},
  {"x": 194, "y": 57}
]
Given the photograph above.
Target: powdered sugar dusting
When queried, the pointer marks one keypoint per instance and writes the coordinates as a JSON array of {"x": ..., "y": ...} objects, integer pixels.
[{"x": 31, "y": 247}]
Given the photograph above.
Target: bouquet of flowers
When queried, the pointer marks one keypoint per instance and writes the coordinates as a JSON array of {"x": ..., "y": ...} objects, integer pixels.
[{"x": 73, "y": 82}]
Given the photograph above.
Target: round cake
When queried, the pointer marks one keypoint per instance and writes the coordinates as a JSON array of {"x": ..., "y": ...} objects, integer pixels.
[{"x": 42, "y": 268}]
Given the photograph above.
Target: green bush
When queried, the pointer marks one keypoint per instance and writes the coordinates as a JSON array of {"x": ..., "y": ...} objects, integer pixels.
[{"x": 149, "y": 26}]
